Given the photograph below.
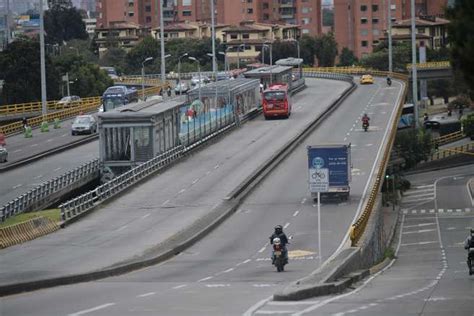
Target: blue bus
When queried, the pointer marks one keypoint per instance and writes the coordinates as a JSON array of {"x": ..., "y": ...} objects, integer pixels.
[{"x": 117, "y": 96}]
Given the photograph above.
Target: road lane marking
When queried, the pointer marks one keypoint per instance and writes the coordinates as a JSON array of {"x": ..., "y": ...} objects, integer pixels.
[
  {"x": 419, "y": 243},
  {"x": 93, "y": 309},
  {"x": 296, "y": 213},
  {"x": 216, "y": 166},
  {"x": 420, "y": 231},
  {"x": 286, "y": 225},
  {"x": 273, "y": 312},
  {"x": 39, "y": 176},
  {"x": 64, "y": 135},
  {"x": 182, "y": 191},
  {"x": 49, "y": 140},
  {"x": 57, "y": 169},
  {"x": 228, "y": 270},
  {"x": 146, "y": 215},
  {"x": 180, "y": 286},
  {"x": 195, "y": 181},
  {"x": 122, "y": 228},
  {"x": 17, "y": 186},
  {"x": 218, "y": 285},
  {"x": 17, "y": 151},
  {"x": 283, "y": 303},
  {"x": 34, "y": 145},
  {"x": 419, "y": 225},
  {"x": 303, "y": 201},
  {"x": 165, "y": 202},
  {"x": 205, "y": 279},
  {"x": 243, "y": 262},
  {"x": 146, "y": 294}
]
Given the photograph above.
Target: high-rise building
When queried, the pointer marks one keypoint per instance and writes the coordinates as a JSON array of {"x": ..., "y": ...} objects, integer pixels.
[
  {"x": 306, "y": 13},
  {"x": 360, "y": 25}
]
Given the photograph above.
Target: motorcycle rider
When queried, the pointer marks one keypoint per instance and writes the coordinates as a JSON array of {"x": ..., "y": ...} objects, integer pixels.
[
  {"x": 469, "y": 246},
  {"x": 389, "y": 81},
  {"x": 365, "y": 119},
  {"x": 283, "y": 240}
]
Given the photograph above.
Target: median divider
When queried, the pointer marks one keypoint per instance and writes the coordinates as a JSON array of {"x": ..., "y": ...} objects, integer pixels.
[{"x": 191, "y": 234}]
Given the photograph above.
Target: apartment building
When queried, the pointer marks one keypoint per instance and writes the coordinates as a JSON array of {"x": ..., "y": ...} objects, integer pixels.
[
  {"x": 360, "y": 25},
  {"x": 197, "y": 30},
  {"x": 306, "y": 13},
  {"x": 119, "y": 34}
]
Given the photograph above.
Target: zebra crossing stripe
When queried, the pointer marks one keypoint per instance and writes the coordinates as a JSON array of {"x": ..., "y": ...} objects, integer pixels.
[
  {"x": 440, "y": 210},
  {"x": 422, "y": 211},
  {"x": 432, "y": 211}
]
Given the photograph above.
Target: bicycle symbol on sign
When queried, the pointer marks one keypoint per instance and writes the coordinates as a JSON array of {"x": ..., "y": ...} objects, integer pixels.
[{"x": 318, "y": 175}]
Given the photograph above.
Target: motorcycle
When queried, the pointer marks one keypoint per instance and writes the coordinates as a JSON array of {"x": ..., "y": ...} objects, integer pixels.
[
  {"x": 470, "y": 261},
  {"x": 279, "y": 259},
  {"x": 365, "y": 126},
  {"x": 389, "y": 82}
]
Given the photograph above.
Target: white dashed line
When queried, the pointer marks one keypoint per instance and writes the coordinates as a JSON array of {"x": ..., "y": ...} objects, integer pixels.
[
  {"x": 49, "y": 140},
  {"x": 165, "y": 202},
  {"x": 286, "y": 225},
  {"x": 86, "y": 311},
  {"x": 122, "y": 228},
  {"x": 34, "y": 145},
  {"x": 180, "y": 286},
  {"x": 303, "y": 201},
  {"x": 216, "y": 166},
  {"x": 146, "y": 294},
  {"x": 228, "y": 270},
  {"x": 182, "y": 191},
  {"x": 39, "y": 176},
  {"x": 17, "y": 186},
  {"x": 64, "y": 135},
  {"x": 262, "y": 249},
  {"x": 243, "y": 262},
  {"x": 146, "y": 215},
  {"x": 57, "y": 169},
  {"x": 17, "y": 151},
  {"x": 195, "y": 181},
  {"x": 205, "y": 279},
  {"x": 296, "y": 213}
]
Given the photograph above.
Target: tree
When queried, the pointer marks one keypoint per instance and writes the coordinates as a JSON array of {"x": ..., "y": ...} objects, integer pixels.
[
  {"x": 347, "y": 57},
  {"x": 308, "y": 49},
  {"x": 379, "y": 58},
  {"x": 63, "y": 22},
  {"x": 282, "y": 49},
  {"x": 413, "y": 145},
  {"x": 326, "y": 50},
  {"x": 20, "y": 68},
  {"x": 148, "y": 47},
  {"x": 460, "y": 29},
  {"x": 114, "y": 57}
]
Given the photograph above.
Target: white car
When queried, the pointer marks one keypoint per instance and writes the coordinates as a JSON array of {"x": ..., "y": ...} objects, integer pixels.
[
  {"x": 195, "y": 80},
  {"x": 69, "y": 100},
  {"x": 181, "y": 88},
  {"x": 84, "y": 124}
]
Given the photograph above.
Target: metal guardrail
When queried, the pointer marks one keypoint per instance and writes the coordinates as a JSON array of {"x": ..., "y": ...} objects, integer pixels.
[
  {"x": 24, "y": 202},
  {"x": 466, "y": 149},
  {"x": 358, "y": 228},
  {"x": 83, "y": 203},
  {"x": 431, "y": 65},
  {"x": 448, "y": 138}
]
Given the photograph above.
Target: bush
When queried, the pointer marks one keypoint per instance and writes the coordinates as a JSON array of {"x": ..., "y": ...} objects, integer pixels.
[
  {"x": 404, "y": 185},
  {"x": 468, "y": 125},
  {"x": 461, "y": 102}
]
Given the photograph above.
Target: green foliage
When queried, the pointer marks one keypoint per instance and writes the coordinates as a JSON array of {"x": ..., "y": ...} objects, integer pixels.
[
  {"x": 148, "y": 47},
  {"x": 347, "y": 57},
  {"x": 460, "y": 30},
  {"x": 87, "y": 80},
  {"x": 283, "y": 49},
  {"x": 63, "y": 22},
  {"x": 328, "y": 17},
  {"x": 114, "y": 57},
  {"x": 308, "y": 49},
  {"x": 82, "y": 48},
  {"x": 441, "y": 88},
  {"x": 413, "y": 145},
  {"x": 461, "y": 102},
  {"x": 326, "y": 50},
  {"x": 379, "y": 58},
  {"x": 20, "y": 68},
  {"x": 468, "y": 125}
]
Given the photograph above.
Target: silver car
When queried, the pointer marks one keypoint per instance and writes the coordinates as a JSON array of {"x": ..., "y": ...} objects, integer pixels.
[
  {"x": 3, "y": 154},
  {"x": 84, "y": 124}
]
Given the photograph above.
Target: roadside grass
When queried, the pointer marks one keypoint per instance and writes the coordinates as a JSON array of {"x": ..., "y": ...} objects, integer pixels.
[
  {"x": 53, "y": 214},
  {"x": 389, "y": 253}
]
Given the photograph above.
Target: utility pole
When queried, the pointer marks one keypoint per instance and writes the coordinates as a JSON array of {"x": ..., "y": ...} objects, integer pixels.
[
  {"x": 162, "y": 44},
  {"x": 213, "y": 35},
  {"x": 390, "y": 52},
  {"x": 7, "y": 22},
  {"x": 413, "y": 61},
  {"x": 44, "y": 110}
]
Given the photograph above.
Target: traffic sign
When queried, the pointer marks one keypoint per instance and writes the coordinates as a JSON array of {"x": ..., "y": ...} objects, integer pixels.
[{"x": 318, "y": 180}]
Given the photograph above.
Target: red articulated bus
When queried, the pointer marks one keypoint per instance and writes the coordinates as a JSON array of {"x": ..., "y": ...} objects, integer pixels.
[{"x": 276, "y": 101}]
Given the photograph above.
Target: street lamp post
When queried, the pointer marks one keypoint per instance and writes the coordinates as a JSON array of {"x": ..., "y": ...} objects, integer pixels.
[
  {"x": 263, "y": 52},
  {"x": 162, "y": 44},
  {"x": 199, "y": 73},
  {"x": 143, "y": 76},
  {"x": 179, "y": 73},
  {"x": 213, "y": 36},
  {"x": 43, "y": 62},
  {"x": 413, "y": 62},
  {"x": 225, "y": 60},
  {"x": 390, "y": 52}
]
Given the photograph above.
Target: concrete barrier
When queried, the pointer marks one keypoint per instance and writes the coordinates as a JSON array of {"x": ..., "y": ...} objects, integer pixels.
[{"x": 34, "y": 228}]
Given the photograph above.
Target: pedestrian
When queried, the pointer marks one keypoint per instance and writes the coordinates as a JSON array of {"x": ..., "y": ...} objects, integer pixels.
[
  {"x": 425, "y": 117},
  {"x": 24, "y": 122}
]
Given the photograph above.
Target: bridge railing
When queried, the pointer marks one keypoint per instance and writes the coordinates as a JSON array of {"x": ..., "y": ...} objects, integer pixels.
[
  {"x": 448, "y": 138},
  {"x": 431, "y": 65},
  {"x": 442, "y": 153},
  {"x": 26, "y": 201},
  {"x": 358, "y": 228}
]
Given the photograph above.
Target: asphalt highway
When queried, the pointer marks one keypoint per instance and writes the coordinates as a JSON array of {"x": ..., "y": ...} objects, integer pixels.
[
  {"x": 430, "y": 275},
  {"x": 229, "y": 271}
]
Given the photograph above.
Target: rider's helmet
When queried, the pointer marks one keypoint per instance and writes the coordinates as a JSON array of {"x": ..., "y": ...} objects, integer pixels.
[
  {"x": 472, "y": 232},
  {"x": 278, "y": 229},
  {"x": 276, "y": 241}
]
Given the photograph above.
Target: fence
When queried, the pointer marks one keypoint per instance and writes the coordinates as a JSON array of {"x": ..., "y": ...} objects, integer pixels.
[
  {"x": 43, "y": 191},
  {"x": 448, "y": 138},
  {"x": 466, "y": 149},
  {"x": 359, "y": 226}
]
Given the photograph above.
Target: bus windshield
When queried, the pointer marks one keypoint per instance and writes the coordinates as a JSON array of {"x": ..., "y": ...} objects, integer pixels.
[
  {"x": 112, "y": 103},
  {"x": 274, "y": 95}
]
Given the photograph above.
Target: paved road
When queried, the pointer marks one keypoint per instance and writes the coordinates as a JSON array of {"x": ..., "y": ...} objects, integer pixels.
[
  {"x": 430, "y": 275},
  {"x": 229, "y": 271}
]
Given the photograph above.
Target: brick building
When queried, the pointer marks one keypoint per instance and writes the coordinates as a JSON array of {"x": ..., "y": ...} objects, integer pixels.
[{"x": 360, "y": 25}]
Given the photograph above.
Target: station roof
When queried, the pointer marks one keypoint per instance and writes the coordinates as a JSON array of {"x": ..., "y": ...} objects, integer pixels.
[
  {"x": 223, "y": 86},
  {"x": 275, "y": 69},
  {"x": 291, "y": 61}
]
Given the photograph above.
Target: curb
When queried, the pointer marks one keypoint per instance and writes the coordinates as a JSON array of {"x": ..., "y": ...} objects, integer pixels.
[
  {"x": 189, "y": 235},
  {"x": 49, "y": 152},
  {"x": 21, "y": 232}
]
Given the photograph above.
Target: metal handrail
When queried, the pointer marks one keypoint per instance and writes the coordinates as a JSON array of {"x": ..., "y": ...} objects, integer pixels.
[
  {"x": 451, "y": 151},
  {"x": 40, "y": 193},
  {"x": 448, "y": 138},
  {"x": 358, "y": 228}
]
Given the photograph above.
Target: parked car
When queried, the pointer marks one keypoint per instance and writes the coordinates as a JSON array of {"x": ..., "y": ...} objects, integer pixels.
[
  {"x": 69, "y": 100},
  {"x": 204, "y": 80},
  {"x": 3, "y": 154},
  {"x": 366, "y": 79},
  {"x": 223, "y": 76},
  {"x": 84, "y": 124},
  {"x": 181, "y": 88}
]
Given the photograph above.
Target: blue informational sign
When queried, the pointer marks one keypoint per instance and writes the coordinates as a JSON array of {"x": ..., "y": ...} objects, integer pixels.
[{"x": 336, "y": 158}]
